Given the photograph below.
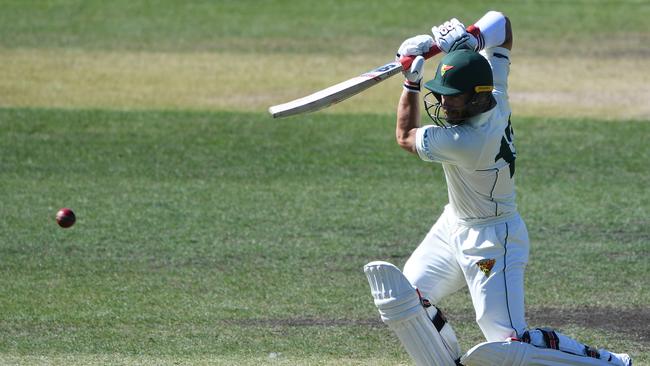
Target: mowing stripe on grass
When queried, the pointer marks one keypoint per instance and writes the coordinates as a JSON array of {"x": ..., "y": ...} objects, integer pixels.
[{"x": 64, "y": 78}]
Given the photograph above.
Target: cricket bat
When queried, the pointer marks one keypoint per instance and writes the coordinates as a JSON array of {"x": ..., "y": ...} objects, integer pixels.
[
  {"x": 342, "y": 91},
  {"x": 489, "y": 31}
]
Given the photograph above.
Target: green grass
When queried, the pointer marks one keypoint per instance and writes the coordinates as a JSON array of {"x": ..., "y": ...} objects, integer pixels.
[
  {"x": 229, "y": 238},
  {"x": 222, "y": 237},
  {"x": 332, "y": 26},
  {"x": 578, "y": 58}
]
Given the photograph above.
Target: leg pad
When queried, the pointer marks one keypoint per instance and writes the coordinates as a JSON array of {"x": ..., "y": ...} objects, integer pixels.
[
  {"x": 400, "y": 308},
  {"x": 514, "y": 353}
]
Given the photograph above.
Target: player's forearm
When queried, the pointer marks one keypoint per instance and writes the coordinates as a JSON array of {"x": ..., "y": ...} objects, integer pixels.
[{"x": 408, "y": 120}]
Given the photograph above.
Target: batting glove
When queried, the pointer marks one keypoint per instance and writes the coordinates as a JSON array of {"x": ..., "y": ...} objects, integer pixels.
[
  {"x": 451, "y": 35},
  {"x": 414, "y": 75},
  {"x": 414, "y": 46}
]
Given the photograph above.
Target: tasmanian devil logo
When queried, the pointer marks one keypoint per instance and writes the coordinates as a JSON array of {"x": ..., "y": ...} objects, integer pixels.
[
  {"x": 485, "y": 265},
  {"x": 445, "y": 68}
]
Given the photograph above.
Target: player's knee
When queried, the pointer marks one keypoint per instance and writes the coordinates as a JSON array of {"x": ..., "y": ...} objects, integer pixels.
[
  {"x": 412, "y": 270},
  {"x": 417, "y": 278},
  {"x": 495, "y": 331},
  {"x": 499, "y": 323}
]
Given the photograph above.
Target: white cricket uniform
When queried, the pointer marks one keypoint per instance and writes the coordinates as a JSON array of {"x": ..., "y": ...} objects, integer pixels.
[{"x": 479, "y": 241}]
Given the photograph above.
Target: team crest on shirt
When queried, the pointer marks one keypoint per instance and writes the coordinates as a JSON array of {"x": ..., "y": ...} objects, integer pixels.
[
  {"x": 445, "y": 68},
  {"x": 485, "y": 265}
]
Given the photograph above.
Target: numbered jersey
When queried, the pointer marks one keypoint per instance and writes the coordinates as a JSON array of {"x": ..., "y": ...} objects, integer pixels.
[{"x": 478, "y": 157}]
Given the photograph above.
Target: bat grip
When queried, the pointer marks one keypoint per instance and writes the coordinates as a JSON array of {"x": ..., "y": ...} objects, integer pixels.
[{"x": 406, "y": 61}]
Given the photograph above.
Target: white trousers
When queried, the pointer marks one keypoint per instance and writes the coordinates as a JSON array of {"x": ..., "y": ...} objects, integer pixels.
[{"x": 489, "y": 259}]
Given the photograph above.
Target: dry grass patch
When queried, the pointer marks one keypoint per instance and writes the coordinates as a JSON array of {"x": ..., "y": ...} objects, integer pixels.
[
  {"x": 563, "y": 86},
  {"x": 577, "y": 86}
]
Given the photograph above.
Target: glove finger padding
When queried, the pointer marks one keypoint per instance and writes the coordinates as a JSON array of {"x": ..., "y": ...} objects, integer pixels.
[
  {"x": 415, "y": 46},
  {"x": 450, "y": 35},
  {"x": 414, "y": 73},
  {"x": 463, "y": 42}
]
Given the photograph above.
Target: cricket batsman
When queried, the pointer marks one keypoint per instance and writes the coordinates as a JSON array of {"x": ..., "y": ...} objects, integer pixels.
[{"x": 480, "y": 240}]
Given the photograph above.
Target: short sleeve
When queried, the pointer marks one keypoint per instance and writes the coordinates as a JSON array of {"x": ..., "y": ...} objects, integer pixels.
[{"x": 455, "y": 145}]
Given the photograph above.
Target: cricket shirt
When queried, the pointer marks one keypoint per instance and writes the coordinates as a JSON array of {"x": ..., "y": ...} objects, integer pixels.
[{"x": 478, "y": 156}]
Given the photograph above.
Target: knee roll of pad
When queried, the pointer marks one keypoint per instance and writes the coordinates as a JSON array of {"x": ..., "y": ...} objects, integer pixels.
[{"x": 394, "y": 296}]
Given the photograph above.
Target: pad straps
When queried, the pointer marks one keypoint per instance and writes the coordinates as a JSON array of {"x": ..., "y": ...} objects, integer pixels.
[
  {"x": 591, "y": 352},
  {"x": 548, "y": 338},
  {"x": 551, "y": 338},
  {"x": 438, "y": 320}
]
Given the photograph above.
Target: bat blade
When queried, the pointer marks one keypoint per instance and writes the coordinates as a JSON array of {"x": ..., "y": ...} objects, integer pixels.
[{"x": 336, "y": 93}]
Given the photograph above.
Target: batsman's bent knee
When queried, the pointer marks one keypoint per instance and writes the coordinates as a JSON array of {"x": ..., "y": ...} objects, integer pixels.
[{"x": 419, "y": 329}]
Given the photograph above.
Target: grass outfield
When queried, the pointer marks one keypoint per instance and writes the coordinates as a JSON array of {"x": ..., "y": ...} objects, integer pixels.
[
  {"x": 210, "y": 234},
  {"x": 222, "y": 238},
  {"x": 571, "y": 59}
]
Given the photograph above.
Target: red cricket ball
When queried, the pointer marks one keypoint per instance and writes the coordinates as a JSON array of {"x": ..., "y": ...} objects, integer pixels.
[{"x": 65, "y": 218}]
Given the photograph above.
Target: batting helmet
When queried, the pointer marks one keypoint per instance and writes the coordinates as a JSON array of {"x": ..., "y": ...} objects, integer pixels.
[{"x": 461, "y": 72}]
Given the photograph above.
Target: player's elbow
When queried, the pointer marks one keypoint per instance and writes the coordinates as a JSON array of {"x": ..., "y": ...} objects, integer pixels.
[
  {"x": 406, "y": 141},
  {"x": 403, "y": 143}
]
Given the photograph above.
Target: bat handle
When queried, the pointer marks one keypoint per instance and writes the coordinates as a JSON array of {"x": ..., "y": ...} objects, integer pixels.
[{"x": 406, "y": 61}]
